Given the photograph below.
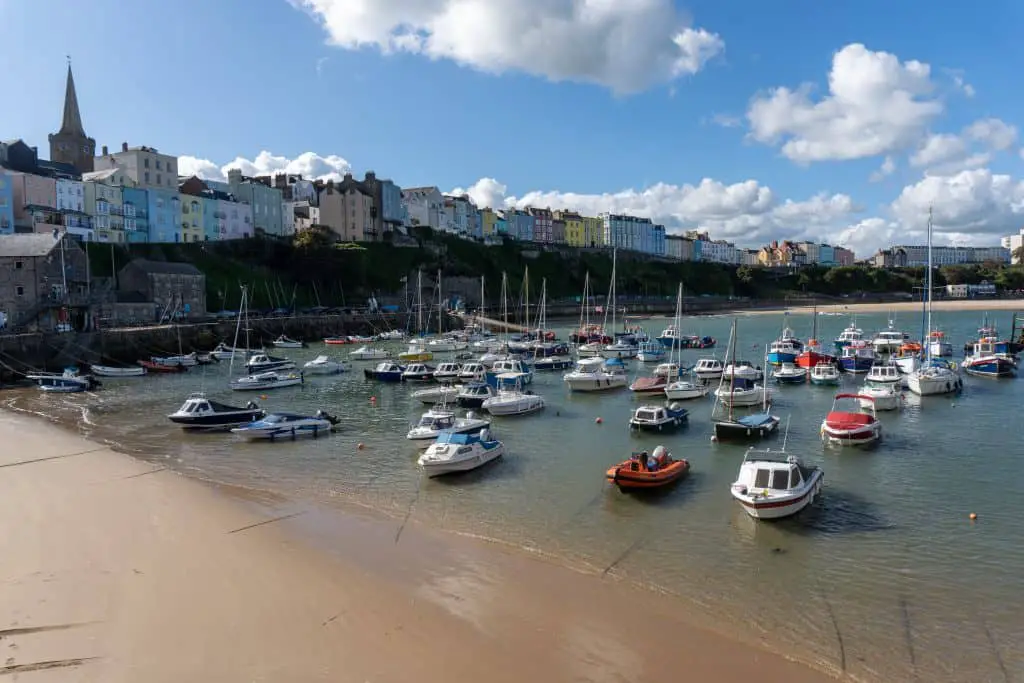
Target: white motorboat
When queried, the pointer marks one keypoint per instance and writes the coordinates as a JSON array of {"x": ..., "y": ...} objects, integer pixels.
[
  {"x": 888, "y": 341},
  {"x": 743, "y": 392},
  {"x": 443, "y": 393},
  {"x": 789, "y": 373},
  {"x": 825, "y": 373},
  {"x": 264, "y": 381},
  {"x": 513, "y": 366},
  {"x": 368, "y": 353},
  {"x": 437, "y": 420},
  {"x": 188, "y": 360},
  {"x": 322, "y": 365},
  {"x": 453, "y": 452},
  {"x": 261, "y": 362},
  {"x": 68, "y": 382},
  {"x": 285, "y": 342},
  {"x": 593, "y": 374},
  {"x": 447, "y": 372},
  {"x": 511, "y": 398},
  {"x": 446, "y": 345},
  {"x": 287, "y": 426},
  {"x": 474, "y": 394},
  {"x": 621, "y": 349},
  {"x": 651, "y": 352},
  {"x": 199, "y": 413},
  {"x": 852, "y": 427},
  {"x": 885, "y": 373},
  {"x": 709, "y": 368},
  {"x": 391, "y": 335},
  {"x": 938, "y": 346},
  {"x": 110, "y": 371},
  {"x": 685, "y": 390},
  {"x": 417, "y": 372},
  {"x": 590, "y": 350},
  {"x": 742, "y": 369},
  {"x": 659, "y": 418},
  {"x": 883, "y": 395},
  {"x": 772, "y": 485},
  {"x": 472, "y": 372}
]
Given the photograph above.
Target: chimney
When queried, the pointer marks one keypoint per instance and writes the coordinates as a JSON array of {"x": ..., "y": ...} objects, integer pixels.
[
  {"x": 105, "y": 152},
  {"x": 124, "y": 146}
]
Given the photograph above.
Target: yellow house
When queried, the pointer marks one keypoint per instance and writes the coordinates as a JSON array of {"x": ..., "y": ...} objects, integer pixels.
[
  {"x": 488, "y": 221},
  {"x": 593, "y": 231},
  {"x": 574, "y": 234},
  {"x": 191, "y": 219}
]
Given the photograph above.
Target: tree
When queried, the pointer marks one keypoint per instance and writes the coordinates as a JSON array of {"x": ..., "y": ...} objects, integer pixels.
[
  {"x": 1018, "y": 255},
  {"x": 314, "y": 238}
]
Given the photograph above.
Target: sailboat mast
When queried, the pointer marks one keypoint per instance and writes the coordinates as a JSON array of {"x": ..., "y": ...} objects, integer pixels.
[
  {"x": 419, "y": 302},
  {"x": 483, "y": 302},
  {"x": 732, "y": 375},
  {"x": 238, "y": 325},
  {"x": 440, "y": 306},
  {"x": 504, "y": 303},
  {"x": 526, "y": 297},
  {"x": 928, "y": 323}
]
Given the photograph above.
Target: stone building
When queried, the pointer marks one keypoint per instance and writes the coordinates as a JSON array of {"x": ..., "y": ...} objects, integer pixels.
[
  {"x": 70, "y": 145},
  {"x": 44, "y": 283},
  {"x": 177, "y": 290}
]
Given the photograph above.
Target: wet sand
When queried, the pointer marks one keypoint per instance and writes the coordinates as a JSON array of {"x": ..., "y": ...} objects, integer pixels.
[{"x": 116, "y": 570}]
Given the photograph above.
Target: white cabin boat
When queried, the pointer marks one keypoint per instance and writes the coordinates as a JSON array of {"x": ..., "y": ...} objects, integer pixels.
[
  {"x": 417, "y": 372},
  {"x": 443, "y": 393},
  {"x": 684, "y": 389},
  {"x": 743, "y": 392},
  {"x": 773, "y": 485},
  {"x": 884, "y": 373},
  {"x": 285, "y": 342},
  {"x": 825, "y": 373},
  {"x": 513, "y": 366},
  {"x": 888, "y": 341},
  {"x": 368, "y": 353},
  {"x": 881, "y": 395},
  {"x": 709, "y": 368},
  {"x": 447, "y": 372},
  {"x": 322, "y": 365},
  {"x": 261, "y": 362},
  {"x": 264, "y": 381},
  {"x": 592, "y": 374},
  {"x": 446, "y": 345},
  {"x": 742, "y": 369},
  {"x": 199, "y": 413},
  {"x": 511, "y": 398},
  {"x": 472, "y": 372},
  {"x": 437, "y": 420},
  {"x": 453, "y": 452},
  {"x": 789, "y": 373},
  {"x": 474, "y": 394},
  {"x": 188, "y": 360}
]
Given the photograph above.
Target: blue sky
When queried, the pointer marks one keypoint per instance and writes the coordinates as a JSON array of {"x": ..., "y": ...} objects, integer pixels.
[{"x": 522, "y": 100}]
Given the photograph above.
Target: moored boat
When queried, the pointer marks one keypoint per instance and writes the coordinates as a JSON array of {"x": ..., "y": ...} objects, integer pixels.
[
  {"x": 650, "y": 352},
  {"x": 642, "y": 471},
  {"x": 287, "y": 426},
  {"x": 825, "y": 373},
  {"x": 990, "y": 358},
  {"x": 385, "y": 372},
  {"x": 595, "y": 374},
  {"x": 417, "y": 372},
  {"x": 286, "y": 342},
  {"x": 447, "y": 372},
  {"x": 789, "y": 373},
  {"x": 322, "y": 365},
  {"x": 444, "y": 393},
  {"x": 437, "y": 420},
  {"x": 851, "y": 427},
  {"x": 857, "y": 357},
  {"x": 367, "y": 353},
  {"x": 454, "y": 452},
  {"x": 261, "y": 362},
  {"x": 511, "y": 398},
  {"x": 551, "y": 363},
  {"x": 851, "y": 334},
  {"x": 785, "y": 349},
  {"x": 708, "y": 368},
  {"x": 773, "y": 485},
  {"x": 659, "y": 418},
  {"x": 188, "y": 360},
  {"x": 732, "y": 426},
  {"x": 70, "y": 381},
  {"x": 474, "y": 394},
  {"x": 111, "y": 371},
  {"x": 160, "y": 368},
  {"x": 885, "y": 373},
  {"x": 199, "y": 413},
  {"x": 265, "y": 381},
  {"x": 883, "y": 395}
]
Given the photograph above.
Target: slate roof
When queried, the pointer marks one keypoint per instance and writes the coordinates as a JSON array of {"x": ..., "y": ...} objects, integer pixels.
[{"x": 28, "y": 245}]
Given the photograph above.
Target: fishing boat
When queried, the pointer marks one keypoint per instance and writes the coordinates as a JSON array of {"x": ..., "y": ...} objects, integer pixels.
[
  {"x": 367, "y": 353},
  {"x": 672, "y": 338},
  {"x": 552, "y": 363},
  {"x": 659, "y": 418},
  {"x": 199, "y": 413},
  {"x": 643, "y": 471},
  {"x": 825, "y": 373},
  {"x": 773, "y": 485},
  {"x": 285, "y": 342},
  {"x": 261, "y": 362},
  {"x": 417, "y": 372},
  {"x": 322, "y": 365},
  {"x": 158, "y": 368},
  {"x": 848, "y": 336},
  {"x": 651, "y": 352},
  {"x": 882, "y": 395},
  {"x": 846, "y": 427},
  {"x": 472, "y": 372},
  {"x": 385, "y": 372},
  {"x": 287, "y": 426},
  {"x": 888, "y": 341},
  {"x": 111, "y": 371},
  {"x": 857, "y": 357},
  {"x": 70, "y": 381},
  {"x": 265, "y": 381},
  {"x": 474, "y": 394},
  {"x": 789, "y": 373},
  {"x": 990, "y": 358},
  {"x": 939, "y": 347},
  {"x": 447, "y": 372},
  {"x": 511, "y": 398},
  {"x": 785, "y": 349},
  {"x": 512, "y": 366},
  {"x": 444, "y": 393},
  {"x": 709, "y": 368},
  {"x": 936, "y": 375},
  {"x": 732, "y": 426},
  {"x": 436, "y": 420},
  {"x": 885, "y": 373},
  {"x": 812, "y": 353},
  {"x": 453, "y": 452},
  {"x": 595, "y": 374}
]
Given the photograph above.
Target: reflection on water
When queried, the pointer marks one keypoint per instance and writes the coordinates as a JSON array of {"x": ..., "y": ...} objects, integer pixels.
[{"x": 884, "y": 577}]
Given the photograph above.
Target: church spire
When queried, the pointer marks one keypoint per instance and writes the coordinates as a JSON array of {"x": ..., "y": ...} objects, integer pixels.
[{"x": 72, "y": 123}]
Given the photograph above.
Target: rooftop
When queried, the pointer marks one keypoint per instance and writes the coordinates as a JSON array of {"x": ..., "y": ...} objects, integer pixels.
[{"x": 27, "y": 245}]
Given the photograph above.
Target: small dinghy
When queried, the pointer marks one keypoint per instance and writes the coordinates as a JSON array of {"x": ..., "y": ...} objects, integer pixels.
[
  {"x": 284, "y": 342},
  {"x": 287, "y": 426},
  {"x": 772, "y": 485},
  {"x": 437, "y": 420},
  {"x": 453, "y": 452},
  {"x": 68, "y": 382},
  {"x": 385, "y": 372},
  {"x": 261, "y": 362},
  {"x": 322, "y": 365},
  {"x": 659, "y": 418},
  {"x": 851, "y": 427},
  {"x": 264, "y": 381},
  {"x": 200, "y": 413},
  {"x": 111, "y": 371},
  {"x": 367, "y": 353},
  {"x": 445, "y": 393},
  {"x": 152, "y": 367},
  {"x": 643, "y": 471}
]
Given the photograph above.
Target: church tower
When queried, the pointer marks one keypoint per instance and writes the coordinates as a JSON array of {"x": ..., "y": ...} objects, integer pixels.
[{"x": 70, "y": 144}]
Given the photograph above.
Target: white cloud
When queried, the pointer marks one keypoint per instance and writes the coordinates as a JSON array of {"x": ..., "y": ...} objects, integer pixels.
[
  {"x": 726, "y": 121},
  {"x": 875, "y": 105},
  {"x": 485, "y": 192},
  {"x": 885, "y": 170},
  {"x": 308, "y": 164},
  {"x": 625, "y": 45},
  {"x": 975, "y": 202},
  {"x": 974, "y": 147}
]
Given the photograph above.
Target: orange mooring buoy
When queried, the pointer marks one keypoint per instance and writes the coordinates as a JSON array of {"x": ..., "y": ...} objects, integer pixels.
[
  {"x": 360, "y": 446},
  {"x": 598, "y": 420},
  {"x": 973, "y": 516}
]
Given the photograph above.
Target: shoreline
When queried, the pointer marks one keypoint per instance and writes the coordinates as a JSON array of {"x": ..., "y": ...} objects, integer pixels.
[
  {"x": 947, "y": 305},
  {"x": 162, "y": 577}
]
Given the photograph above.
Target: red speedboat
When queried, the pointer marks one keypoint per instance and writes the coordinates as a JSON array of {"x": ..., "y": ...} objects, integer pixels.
[{"x": 852, "y": 427}]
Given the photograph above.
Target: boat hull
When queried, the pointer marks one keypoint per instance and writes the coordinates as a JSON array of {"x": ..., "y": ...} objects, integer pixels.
[
  {"x": 738, "y": 431},
  {"x": 627, "y": 479},
  {"x": 856, "y": 365},
  {"x": 217, "y": 421},
  {"x": 780, "y": 357},
  {"x": 991, "y": 366},
  {"x": 284, "y": 433},
  {"x": 595, "y": 384},
  {"x": 107, "y": 371},
  {"x": 685, "y": 391},
  {"x": 667, "y": 425},
  {"x": 779, "y": 507},
  {"x": 501, "y": 408},
  {"x": 934, "y": 386},
  {"x": 480, "y": 457}
]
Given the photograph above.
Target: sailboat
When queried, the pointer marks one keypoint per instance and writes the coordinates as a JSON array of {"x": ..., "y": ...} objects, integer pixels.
[
  {"x": 417, "y": 351},
  {"x": 624, "y": 346},
  {"x": 548, "y": 355},
  {"x": 935, "y": 376},
  {"x": 680, "y": 387},
  {"x": 812, "y": 355},
  {"x": 444, "y": 344},
  {"x": 261, "y": 381},
  {"x": 756, "y": 425}
]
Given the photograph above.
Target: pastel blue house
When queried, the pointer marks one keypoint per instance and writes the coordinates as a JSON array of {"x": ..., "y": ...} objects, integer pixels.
[
  {"x": 213, "y": 220},
  {"x": 520, "y": 225},
  {"x": 164, "y": 215},
  {"x": 698, "y": 250},
  {"x": 500, "y": 226},
  {"x": 826, "y": 255},
  {"x": 6, "y": 204},
  {"x": 136, "y": 214}
]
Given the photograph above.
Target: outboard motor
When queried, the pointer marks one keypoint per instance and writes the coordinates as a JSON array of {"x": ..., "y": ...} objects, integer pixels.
[{"x": 251, "y": 405}]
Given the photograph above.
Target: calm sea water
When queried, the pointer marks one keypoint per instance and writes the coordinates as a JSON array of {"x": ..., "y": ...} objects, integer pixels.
[{"x": 885, "y": 577}]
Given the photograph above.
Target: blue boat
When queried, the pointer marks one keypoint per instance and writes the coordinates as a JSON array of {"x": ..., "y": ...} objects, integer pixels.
[
  {"x": 785, "y": 349},
  {"x": 857, "y": 357},
  {"x": 990, "y": 358},
  {"x": 651, "y": 352},
  {"x": 385, "y": 372}
]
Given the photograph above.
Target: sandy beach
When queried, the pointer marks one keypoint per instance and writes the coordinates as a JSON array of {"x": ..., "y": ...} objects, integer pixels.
[
  {"x": 980, "y": 305},
  {"x": 117, "y": 570}
]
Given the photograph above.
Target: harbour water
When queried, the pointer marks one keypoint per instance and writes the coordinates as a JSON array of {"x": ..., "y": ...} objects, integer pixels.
[{"x": 885, "y": 578}]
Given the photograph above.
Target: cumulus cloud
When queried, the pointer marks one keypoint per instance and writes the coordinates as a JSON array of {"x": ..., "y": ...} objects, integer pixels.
[
  {"x": 875, "y": 105},
  {"x": 308, "y": 164},
  {"x": 627, "y": 46},
  {"x": 884, "y": 171},
  {"x": 975, "y": 146},
  {"x": 974, "y": 202}
]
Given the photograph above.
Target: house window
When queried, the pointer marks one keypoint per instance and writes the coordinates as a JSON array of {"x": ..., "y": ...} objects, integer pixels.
[
  {"x": 145, "y": 162},
  {"x": 159, "y": 180},
  {"x": 19, "y": 290},
  {"x": 18, "y": 265},
  {"x": 158, "y": 166},
  {"x": 147, "y": 174}
]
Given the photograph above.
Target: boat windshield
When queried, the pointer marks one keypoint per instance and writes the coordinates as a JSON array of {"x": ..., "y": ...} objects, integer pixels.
[
  {"x": 648, "y": 415},
  {"x": 442, "y": 422}
]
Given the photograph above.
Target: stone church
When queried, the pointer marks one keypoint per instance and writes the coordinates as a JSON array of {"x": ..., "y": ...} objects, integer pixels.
[{"x": 70, "y": 144}]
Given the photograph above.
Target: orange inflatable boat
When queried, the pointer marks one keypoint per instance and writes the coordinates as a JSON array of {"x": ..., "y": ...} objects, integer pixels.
[{"x": 637, "y": 472}]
